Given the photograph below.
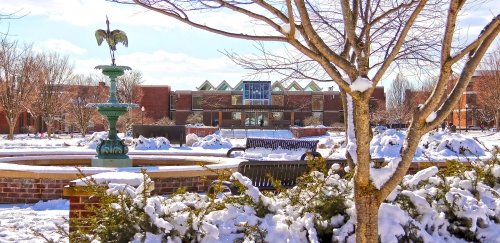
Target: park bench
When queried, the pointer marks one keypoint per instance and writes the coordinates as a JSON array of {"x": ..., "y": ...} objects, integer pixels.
[
  {"x": 286, "y": 172},
  {"x": 273, "y": 146}
]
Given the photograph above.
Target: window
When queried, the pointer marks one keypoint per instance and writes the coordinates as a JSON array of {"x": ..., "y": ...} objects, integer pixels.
[
  {"x": 256, "y": 92},
  {"x": 236, "y": 115},
  {"x": 317, "y": 102},
  {"x": 237, "y": 99},
  {"x": 278, "y": 100},
  {"x": 173, "y": 98},
  {"x": 197, "y": 102}
]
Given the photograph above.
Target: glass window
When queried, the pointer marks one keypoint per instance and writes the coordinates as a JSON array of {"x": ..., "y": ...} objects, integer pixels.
[
  {"x": 173, "y": 98},
  {"x": 317, "y": 102},
  {"x": 236, "y": 115},
  {"x": 237, "y": 100},
  {"x": 197, "y": 102},
  {"x": 278, "y": 100}
]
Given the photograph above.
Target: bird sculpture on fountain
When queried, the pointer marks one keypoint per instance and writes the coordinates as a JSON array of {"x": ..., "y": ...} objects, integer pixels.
[{"x": 112, "y": 38}]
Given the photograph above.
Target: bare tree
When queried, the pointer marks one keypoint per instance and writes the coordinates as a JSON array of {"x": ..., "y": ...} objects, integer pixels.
[
  {"x": 83, "y": 90},
  {"x": 128, "y": 87},
  {"x": 212, "y": 102},
  {"x": 52, "y": 99},
  {"x": 19, "y": 69},
  {"x": 354, "y": 44},
  {"x": 128, "y": 90},
  {"x": 486, "y": 86},
  {"x": 399, "y": 108}
]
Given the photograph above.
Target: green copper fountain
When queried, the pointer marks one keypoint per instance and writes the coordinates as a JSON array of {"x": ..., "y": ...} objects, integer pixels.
[{"x": 112, "y": 152}]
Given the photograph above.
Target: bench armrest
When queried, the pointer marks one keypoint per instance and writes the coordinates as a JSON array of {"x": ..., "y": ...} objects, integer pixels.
[
  {"x": 231, "y": 150},
  {"x": 314, "y": 154}
]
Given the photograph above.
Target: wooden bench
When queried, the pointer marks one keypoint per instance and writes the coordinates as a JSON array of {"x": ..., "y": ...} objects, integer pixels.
[
  {"x": 273, "y": 144},
  {"x": 285, "y": 171}
]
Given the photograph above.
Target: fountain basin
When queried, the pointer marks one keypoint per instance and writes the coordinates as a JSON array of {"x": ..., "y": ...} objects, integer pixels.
[{"x": 29, "y": 179}]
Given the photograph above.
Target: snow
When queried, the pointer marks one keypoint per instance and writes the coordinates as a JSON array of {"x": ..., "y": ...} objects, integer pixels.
[
  {"x": 351, "y": 147},
  {"x": 361, "y": 84},
  {"x": 285, "y": 222},
  {"x": 379, "y": 176},
  {"x": 128, "y": 178},
  {"x": 213, "y": 141},
  {"x": 143, "y": 143},
  {"x": 431, "y": 117}
]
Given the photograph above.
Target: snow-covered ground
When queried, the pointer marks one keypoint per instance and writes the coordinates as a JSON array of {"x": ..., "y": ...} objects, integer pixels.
[{"x": 18, "y": 221}]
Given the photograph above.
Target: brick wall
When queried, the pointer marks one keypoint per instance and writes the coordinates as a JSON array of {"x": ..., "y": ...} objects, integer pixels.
[
  {"x": 24, "y": 190},
  {"x": 156, "y": 101},
  {"x": 307, "y": 132},
  {"x": 201, "y": 131}
]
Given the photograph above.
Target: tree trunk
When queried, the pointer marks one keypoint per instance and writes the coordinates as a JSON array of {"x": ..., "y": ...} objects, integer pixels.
[
  {"x": 367, "y": 206},
  {"x": 497, "y": 120},
  {"x": 11, "y": 131}
]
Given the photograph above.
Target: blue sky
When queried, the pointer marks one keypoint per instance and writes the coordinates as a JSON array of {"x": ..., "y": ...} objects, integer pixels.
[{"x": 164, "y": 50}]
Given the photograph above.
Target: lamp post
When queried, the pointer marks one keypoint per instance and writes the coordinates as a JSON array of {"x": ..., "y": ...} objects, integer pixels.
[
  {"x": 466, "y": 107},
  {"x": 142, "y": 115}
]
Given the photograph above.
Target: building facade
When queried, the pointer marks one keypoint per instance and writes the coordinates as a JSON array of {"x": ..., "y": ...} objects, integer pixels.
[
  {"x": 260, "y": 104},
  {"x": 248, "y": 104}
]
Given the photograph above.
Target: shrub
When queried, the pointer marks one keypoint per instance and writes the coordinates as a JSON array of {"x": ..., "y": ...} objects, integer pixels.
[
  {"x": 194, "y": 119},
  {"x": 312, "y": 121},
  {"x": 165, "y": 121}
]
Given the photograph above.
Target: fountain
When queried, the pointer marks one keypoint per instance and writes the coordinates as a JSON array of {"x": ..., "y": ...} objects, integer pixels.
[{"x": 112, "y": 152}]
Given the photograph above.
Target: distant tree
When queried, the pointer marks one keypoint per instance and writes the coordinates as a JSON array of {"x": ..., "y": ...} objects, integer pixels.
[
  {"x": 19, "y": 71},
  {"x": 128, "y": 87},
  {"x": 212, "y": 102},
  {"x": 128, "y": 90},
  {"x": 52, "y": 99},
  {"x": 487, "y": 87},
  {"x": 84, "y": 90},
  {"x": 399, "y": 108}
]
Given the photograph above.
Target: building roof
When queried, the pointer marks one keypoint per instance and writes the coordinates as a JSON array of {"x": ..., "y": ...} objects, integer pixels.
[{"x": 275, "y": 86}]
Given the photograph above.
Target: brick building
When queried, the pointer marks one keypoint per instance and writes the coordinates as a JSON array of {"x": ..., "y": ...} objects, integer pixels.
[
  {"x": 248, "y": 104},
  {"x": 251, "y": 103}
]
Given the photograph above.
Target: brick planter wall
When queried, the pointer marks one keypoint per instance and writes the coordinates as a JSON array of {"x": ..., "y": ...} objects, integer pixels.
[
  {"x": 299, "y": 132},
  {"x": 201, "y": 131},
  {"x": 23, "y": 190}
]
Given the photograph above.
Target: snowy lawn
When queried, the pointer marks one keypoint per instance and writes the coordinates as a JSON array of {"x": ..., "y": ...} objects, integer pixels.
[{"x": 17, "y": 221}]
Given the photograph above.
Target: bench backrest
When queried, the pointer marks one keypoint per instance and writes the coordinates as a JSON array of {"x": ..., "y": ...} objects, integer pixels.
[
  {"x": 287, "y": 144},
  {"x": 285, "y": 171}
]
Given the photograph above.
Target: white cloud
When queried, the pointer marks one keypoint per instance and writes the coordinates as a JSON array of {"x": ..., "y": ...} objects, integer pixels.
[
  {"x": 62, "y": 46},
  {"x": 93, "y": 12},
  {"x": 178, "y": 70}
]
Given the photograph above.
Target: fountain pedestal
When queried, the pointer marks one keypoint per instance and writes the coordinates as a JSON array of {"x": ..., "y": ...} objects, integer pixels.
[{"x": 112, "y": 152}]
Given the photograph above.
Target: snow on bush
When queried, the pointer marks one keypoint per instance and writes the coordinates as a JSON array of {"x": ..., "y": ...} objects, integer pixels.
[
  {"x": 191, "y": 139},
  {"x": 387, "y": 144},
  {"x": 143, "y": 143},
  {"x": 430, "y": 206},
  {"x": 95, "y": 139},
  {"x": 451, "y": 144},
  {"x": 213, "y": 141}
]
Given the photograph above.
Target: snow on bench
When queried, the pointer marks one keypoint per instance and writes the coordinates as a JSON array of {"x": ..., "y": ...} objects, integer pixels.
[{"x": 276, "y": 149}]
